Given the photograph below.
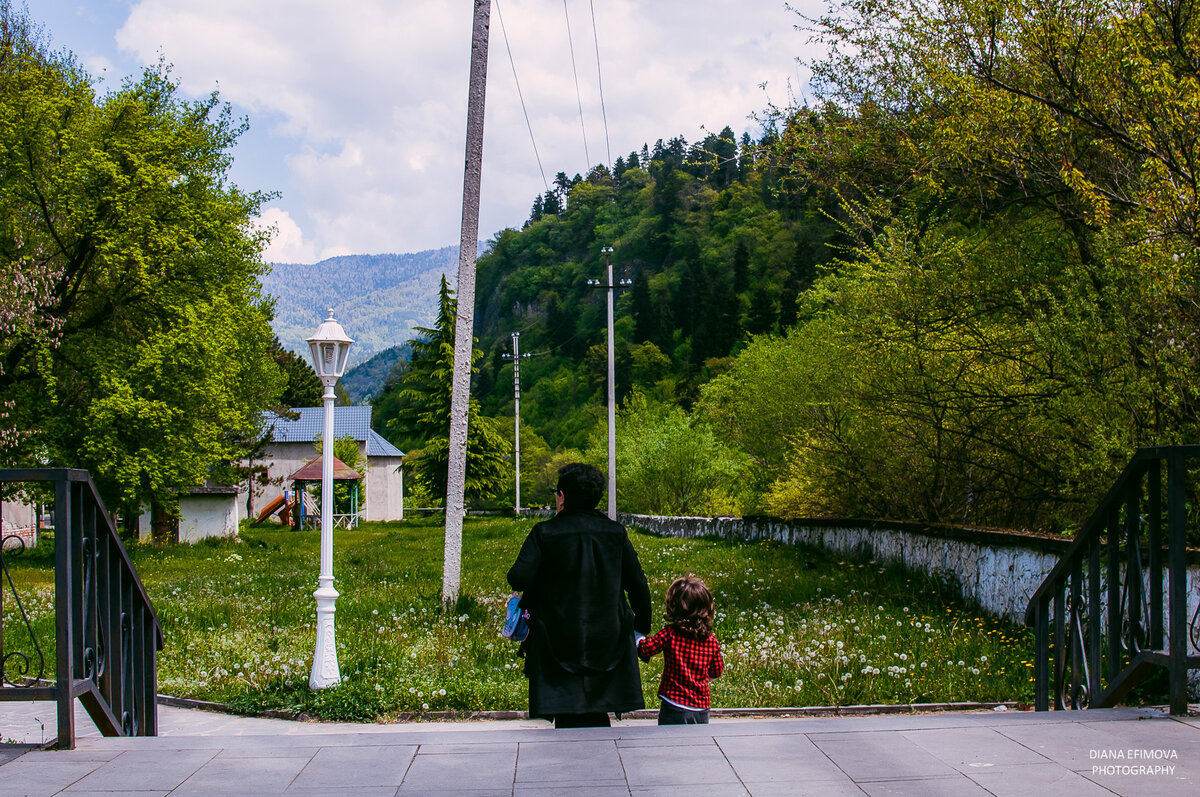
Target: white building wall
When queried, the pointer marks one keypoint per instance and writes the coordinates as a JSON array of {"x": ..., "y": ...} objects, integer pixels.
[
  {"x": 202, "y": 516},
  {"x": 19, "y": 519},
  {"x": 384, "y": 489}
]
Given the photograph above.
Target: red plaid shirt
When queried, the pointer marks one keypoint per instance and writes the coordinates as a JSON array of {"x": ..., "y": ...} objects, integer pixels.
[{"x": 688, "y": 664}]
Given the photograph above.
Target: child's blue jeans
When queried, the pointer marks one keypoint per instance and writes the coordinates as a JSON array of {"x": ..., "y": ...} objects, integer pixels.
[{"x": 670, "y": 714}]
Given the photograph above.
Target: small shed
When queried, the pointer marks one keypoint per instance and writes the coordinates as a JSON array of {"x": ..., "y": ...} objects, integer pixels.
[
  {"x": 311, "y": 472},
  {"x": 208, "y": 511}
]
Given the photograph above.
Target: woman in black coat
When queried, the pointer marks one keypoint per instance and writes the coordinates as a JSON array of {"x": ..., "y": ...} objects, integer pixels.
[{"x": 576, "y": 570}]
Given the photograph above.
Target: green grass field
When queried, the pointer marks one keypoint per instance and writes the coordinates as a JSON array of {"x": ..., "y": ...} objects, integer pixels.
[{"x": 798, "y": 626}]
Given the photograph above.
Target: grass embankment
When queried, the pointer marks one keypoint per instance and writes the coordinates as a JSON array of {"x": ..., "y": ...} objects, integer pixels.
[{"x": 798, "y": 626}]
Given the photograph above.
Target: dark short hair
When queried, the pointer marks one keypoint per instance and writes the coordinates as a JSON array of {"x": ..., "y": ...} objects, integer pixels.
[
  {"x": 690, "y": 607},
  {"x": 581, "y": 485}
]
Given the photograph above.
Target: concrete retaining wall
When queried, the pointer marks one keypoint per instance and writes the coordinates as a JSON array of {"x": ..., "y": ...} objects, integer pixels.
[{"x": 998, "y": 570}]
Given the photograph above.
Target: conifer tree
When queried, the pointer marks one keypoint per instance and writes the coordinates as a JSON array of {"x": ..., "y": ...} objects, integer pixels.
[{"x": 423, "y": 416}]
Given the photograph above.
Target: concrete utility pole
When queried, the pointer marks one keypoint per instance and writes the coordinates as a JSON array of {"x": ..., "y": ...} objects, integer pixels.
[
  {"x": 460, "y": 395},
  {"x": 612, "y": 380}
]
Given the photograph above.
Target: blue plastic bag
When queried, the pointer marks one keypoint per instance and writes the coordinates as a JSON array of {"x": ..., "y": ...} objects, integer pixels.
[{"x": 516, "y": 620}]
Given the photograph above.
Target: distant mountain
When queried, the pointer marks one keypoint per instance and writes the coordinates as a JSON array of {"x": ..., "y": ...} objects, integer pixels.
[
  {"x": 378, "y": 299},
  {"x": 365, "y": 380}
]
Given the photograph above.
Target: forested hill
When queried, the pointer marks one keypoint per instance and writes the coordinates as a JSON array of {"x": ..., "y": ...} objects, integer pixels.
[
  {"x": 1011, "y": 313},
  {"x": 366, "y": 380},
  {"x": 378, "y": 299},
  {"x": 716, "y": 253}
]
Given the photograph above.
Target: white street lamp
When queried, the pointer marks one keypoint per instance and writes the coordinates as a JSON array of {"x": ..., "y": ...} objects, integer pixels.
[{"x": 330, "y": 347}]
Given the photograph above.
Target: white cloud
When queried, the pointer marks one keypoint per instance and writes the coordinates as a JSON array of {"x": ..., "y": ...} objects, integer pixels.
[
  {"x": 287, "y": 239},
  {"x": 367, "y": 98}
]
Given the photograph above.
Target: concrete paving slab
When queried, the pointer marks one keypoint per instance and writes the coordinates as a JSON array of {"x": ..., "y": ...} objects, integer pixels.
[
  {"x": 144, "y": 770},
  {"x": 695, "y": 765},
  {"x": 259, "y": 752},
  {"x": 954, "y": 786},
  {"x": 581, "y": 790},
  {"x": 596, "y": 762},
  {"x": 136, "y": 794},
  {"x": 805, "y": 788},
  {"x": 267, "y": 775},
  {"x": 792, "y": 758},
  {"x": 715, "y": 790},
  {"x": 1004, "y": 753},
  {"x": 1136, "y": 780},
  {"x": 337, "y": 768},
  {"x": 348, "y": 791},
  {"x": 966, "y": 749},
  {"x": 1036, "y": 780},
  {"x": 878, "y": 756},
  {"x": 453, "y": 748},
  {"x": 35, "y": 776},
  {"x": 474, "y": 771},
  {"x": 660, "y": 742},
  {"x": 9, "y": 752}
]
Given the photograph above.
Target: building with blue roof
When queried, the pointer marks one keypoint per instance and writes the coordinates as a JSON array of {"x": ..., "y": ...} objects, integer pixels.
[{"x": 293, "y": 445}]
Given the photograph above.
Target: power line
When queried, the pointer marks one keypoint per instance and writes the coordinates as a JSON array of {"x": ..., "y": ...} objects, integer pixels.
[
  {"x": 600, "y": 81},
  {"x": 578, "y": 97},
  {"x": 521, "y": 96}
]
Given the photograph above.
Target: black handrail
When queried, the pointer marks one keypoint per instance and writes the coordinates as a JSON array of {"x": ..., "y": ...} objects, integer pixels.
[
  {"x": 107, "y": 634},
  {"x": 1099, "y": 614}
]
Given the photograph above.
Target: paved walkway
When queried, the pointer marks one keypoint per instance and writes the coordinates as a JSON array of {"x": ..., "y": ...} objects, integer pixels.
[{"x": 1101, "y": 752}]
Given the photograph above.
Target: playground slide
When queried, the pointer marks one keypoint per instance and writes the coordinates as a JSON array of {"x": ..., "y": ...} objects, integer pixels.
[{"x": 270, "y": 509}]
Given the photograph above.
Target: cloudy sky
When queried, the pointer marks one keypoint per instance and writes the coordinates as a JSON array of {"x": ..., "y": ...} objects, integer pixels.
[{"x": 357, "y": 108}]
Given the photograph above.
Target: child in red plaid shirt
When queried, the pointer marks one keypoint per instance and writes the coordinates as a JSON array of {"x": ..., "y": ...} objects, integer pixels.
[{"x": 691, "y": 652}]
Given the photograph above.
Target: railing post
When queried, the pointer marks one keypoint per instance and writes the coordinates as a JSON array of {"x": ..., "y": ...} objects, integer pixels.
[
  {"x": 1060, "y": 640},
  {"x": 1041, "y": 675},
  {"x": 1133, "y": 569},
  {"x": 1095, "y": 613},
  {"x": 1177, "y": 584},
  {"x": 1154, "y": 509},
  {"x": 64, "y": 566},
  {"x": 1113, "y": 557}
]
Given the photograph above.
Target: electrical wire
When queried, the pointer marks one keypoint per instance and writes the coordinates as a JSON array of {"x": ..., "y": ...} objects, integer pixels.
[
  {"x": 600, "y": 81},
  {"x": 578, "y": 96},
  {"x": 521, "y": 96}
]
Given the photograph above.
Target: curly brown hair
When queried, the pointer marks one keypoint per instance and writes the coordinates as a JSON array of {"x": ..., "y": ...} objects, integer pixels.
[{"x": 689, "y": 607}]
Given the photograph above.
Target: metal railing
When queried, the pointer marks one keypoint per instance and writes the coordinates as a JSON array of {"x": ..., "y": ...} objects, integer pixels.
[
  {"x": 1115, "y": 607},
  {"x": 107, "y": 634}
]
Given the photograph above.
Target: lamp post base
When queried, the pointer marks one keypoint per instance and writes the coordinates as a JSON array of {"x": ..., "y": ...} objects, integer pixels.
[{"x": 325, "y": 670}]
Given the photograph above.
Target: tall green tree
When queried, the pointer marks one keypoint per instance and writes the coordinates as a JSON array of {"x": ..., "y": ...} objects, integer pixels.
[
  {"x": 145, "y": 357},
  {"x": 303, "y": 388},
  {"x": 1006, "y": 325},
  {"x": 668, "y": 465},
  {"x": 422, "y": 421}
]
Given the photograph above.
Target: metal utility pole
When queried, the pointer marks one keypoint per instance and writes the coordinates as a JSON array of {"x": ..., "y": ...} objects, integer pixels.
[
  {"x": 609, "y": 285},
  {"x": 460, "y": 395},
  {"x": 516, "y": 358}
]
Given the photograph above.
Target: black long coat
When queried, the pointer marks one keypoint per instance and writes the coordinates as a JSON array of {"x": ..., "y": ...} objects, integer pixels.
[{"x": 576, "y": 570}]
